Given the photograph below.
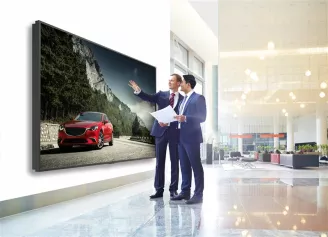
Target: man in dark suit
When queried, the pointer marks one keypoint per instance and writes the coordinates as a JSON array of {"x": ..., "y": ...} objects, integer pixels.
[
  {"x": 192, "y": 113},
  {"x": 165, "y": 134}
]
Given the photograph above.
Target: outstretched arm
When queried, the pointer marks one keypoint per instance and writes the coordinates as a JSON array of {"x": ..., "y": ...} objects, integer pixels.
[
  {"x": 142, "y": 95},
  {"x": 147, "y": 97}
]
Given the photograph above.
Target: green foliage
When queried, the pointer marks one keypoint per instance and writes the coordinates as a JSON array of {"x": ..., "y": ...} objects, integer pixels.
[
  {"x": 308, "y": 148},
  {"x": 324, "y": 149},
  {"x": 65, "y": 88},
  {"x": 136, "y": 127}
]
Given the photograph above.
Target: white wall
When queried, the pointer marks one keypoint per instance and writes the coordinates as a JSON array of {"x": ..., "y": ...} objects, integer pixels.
[
  {"x": 193, "y": 31},
  {"x": 305, "y": 129},
  {"x": 140, "y": 29}
]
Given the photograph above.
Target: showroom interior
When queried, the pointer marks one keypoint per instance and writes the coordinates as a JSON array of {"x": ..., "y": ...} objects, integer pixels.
[{"x": 262, "y": 67}]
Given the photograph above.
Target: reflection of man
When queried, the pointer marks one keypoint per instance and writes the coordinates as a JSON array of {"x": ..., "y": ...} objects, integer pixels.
[
  {"x": 165, "y": 134},
  {"x": 192, "y": 113}
]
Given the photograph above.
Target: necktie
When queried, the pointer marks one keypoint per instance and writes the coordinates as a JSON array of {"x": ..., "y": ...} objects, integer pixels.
[
  {"x": 172, "y": 99},
  {"x": 183, "y": 104}
]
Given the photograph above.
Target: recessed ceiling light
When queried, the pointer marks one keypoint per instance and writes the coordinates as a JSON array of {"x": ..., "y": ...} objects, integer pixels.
[
  {"x": 302, "y": 105},
  {"x": 277, "y": 100},
  {"x": 322, "y": 94},
  {"x": 270, "y": 45},
  {"x": 284, "y": 110},
  {"x": 286, "y": 114},
  {"x": 293, "y": 97},
  {"x": 308, "y": 73},
  {"x": 323, "y": 85}
]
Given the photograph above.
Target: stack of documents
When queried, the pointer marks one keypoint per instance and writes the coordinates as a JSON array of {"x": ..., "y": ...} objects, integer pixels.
[{"x": 165, "y": 115}]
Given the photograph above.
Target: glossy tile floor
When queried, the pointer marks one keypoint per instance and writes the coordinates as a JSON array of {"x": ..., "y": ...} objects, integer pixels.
[{"x": 266, "y": 201}]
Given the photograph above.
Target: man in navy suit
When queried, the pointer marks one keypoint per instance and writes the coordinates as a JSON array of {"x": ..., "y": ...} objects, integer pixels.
[
  {"x": 192, "y": 113},
  {"x": 165, "y": 134}
]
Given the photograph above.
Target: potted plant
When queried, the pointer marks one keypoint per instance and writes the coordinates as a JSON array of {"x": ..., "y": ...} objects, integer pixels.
[
  {"x": 276, "y": 150},
  {"x": 311, "y": 149},
  {"x": 216, "y": 152},
  {"x": 324, "y": 152},
  {"x": 265, "y": 156},
  {"x": 275, "y": 156},
  {"x": 259, "y": 149}
]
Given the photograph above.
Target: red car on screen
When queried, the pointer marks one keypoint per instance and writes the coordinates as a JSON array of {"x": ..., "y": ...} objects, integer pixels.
[{"x": 87, "y": 129}]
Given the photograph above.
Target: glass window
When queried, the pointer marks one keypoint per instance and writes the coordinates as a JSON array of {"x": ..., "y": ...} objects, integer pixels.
[
  {"x": 89, "y": 116},
  {"x": 182, "y": 56},
  {"x": 179, "y": 70},
  {"x": 199, "y": 87},
  {"x": 106, "y": 118},
  {"x": 198, "y": 67}
]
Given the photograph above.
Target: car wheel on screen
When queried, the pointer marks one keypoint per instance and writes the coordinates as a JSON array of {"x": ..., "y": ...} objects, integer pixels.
[
  {"x": 100, "y": 140},
  {"x": 111, "y": 141}
]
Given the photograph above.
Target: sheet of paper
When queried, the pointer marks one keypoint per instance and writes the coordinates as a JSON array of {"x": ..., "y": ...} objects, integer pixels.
[{"x": 165, "y": 115}]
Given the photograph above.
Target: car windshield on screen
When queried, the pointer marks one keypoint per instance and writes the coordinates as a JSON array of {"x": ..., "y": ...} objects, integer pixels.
[{"x": 89, "y": 117}]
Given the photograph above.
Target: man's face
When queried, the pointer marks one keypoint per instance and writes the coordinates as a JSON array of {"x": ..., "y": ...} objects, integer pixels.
[
  {"x": 184, "y": 86},
  {"x": 173, "y": 83}
]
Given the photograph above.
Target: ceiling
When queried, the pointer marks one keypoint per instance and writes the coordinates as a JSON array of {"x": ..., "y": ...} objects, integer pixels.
[{"x": 298, "y": 31}]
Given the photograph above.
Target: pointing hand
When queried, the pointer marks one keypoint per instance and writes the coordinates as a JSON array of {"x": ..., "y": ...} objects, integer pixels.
[{"x": 134, "y": 86}]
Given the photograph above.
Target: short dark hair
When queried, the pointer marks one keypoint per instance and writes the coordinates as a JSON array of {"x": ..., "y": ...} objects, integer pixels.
[
  {"x": 177, "y": 76},
  {"x": 191, "y": 80}
]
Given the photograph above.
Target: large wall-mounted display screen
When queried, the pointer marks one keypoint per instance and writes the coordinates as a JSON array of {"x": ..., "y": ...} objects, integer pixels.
[{"x": 84, "y": 112}]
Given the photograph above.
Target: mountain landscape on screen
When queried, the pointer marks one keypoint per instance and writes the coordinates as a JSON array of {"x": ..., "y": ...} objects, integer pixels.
[{"x": 86, "y": 103}]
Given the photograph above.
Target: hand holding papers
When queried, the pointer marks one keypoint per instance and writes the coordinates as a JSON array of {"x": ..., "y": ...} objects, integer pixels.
[{"x": 165, "y": 115}]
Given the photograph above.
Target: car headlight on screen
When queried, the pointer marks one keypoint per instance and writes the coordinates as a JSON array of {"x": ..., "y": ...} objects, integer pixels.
[
  {"x": 61, "y": 128},
  {"x": 94, "y": 128}
]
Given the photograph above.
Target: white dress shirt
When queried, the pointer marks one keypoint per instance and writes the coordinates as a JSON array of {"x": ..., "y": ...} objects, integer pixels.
[
  {"x": 176, "y": 97},
  {"x": 181, "y": 110},
  {"x": 188, "y": 94}
]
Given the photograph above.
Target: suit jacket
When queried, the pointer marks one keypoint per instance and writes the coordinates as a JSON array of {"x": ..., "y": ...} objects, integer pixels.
[
  {"x": 162, "y": 99},
  {"x": 195, "y": 112}
]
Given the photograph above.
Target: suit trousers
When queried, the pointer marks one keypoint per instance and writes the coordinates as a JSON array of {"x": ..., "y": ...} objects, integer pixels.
[
  {"x": 170, "y": 137},
  {"x": 190, "y": 160}
]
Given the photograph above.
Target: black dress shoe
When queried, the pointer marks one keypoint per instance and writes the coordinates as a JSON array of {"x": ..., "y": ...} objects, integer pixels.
[
  {"x": 172, "y": 194},
  {"x": 156, "y": 195},
  {"x": 194, "y": 200},
  {"x": 181, "y": 196}
]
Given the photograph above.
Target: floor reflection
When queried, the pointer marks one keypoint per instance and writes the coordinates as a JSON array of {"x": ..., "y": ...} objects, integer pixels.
[
  {"x": 234, "y": 205},
  {"x": 176, "y": 219}
]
